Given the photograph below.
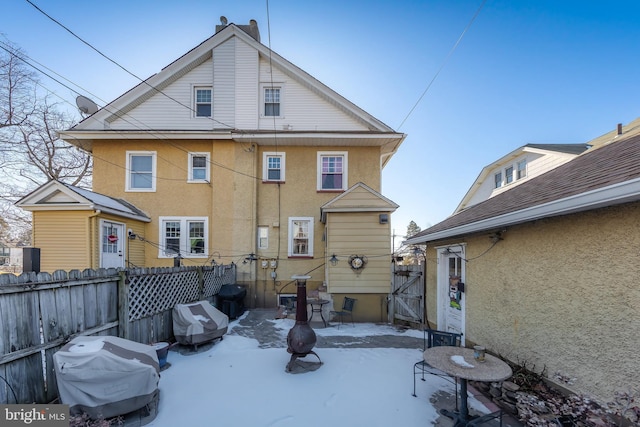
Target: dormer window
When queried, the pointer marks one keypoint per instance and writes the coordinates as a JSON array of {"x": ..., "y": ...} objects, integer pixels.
[
  {"x": 203, "y": 96},
  {"x": 508, "y": 175},
  {"x": 522, "y": 169},
  {"x": 497, "y": 179}
]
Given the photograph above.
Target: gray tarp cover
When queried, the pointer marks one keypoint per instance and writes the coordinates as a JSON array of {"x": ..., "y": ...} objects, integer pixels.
[
  {"x": 106, "y": 376},
  {"x": 198, "y": 322}
]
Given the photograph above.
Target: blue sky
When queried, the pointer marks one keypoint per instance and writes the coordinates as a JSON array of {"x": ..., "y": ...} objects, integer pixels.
[{"x": 543, "y": 71}]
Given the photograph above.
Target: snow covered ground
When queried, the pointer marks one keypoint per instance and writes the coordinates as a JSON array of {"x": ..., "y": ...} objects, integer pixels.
[{"x": 236, "y": 383}]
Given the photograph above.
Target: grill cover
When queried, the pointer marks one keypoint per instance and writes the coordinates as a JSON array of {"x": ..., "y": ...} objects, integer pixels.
[
  {"x": 198, "y": 322},
  {"x": 106, "y": 376}
]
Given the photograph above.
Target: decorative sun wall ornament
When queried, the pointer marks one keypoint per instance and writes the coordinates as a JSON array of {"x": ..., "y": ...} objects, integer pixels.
[{"x": 357, "y": 262}]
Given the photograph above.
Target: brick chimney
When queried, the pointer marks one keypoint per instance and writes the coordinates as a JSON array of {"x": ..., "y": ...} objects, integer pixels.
[{"x": 251, "y": 29}]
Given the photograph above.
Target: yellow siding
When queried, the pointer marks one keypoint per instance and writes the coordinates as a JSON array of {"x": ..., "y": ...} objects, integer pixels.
[
  {"x": 63, "y": 239},
  {"x": 559, "y": 293},
  {"x": 347, "y": 234}
]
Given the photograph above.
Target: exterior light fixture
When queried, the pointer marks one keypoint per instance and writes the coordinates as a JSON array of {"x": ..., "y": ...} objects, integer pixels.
[{"x": 334, "y": 260}]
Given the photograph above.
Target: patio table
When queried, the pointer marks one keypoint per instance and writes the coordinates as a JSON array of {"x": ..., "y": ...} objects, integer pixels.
[
  {"x": 460, "y": 363},
  {"x": 316, "y": 307}
]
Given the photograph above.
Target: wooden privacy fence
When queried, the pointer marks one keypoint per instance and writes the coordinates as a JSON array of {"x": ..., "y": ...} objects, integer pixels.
[{"x": 41, "y": 312}]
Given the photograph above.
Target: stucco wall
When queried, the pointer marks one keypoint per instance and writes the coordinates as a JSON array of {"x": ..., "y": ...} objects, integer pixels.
[{"x": 559, "y": 295}]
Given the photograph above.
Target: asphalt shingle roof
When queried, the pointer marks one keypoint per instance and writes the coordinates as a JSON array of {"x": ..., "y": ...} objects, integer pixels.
[{"x": 597, "y": 168}]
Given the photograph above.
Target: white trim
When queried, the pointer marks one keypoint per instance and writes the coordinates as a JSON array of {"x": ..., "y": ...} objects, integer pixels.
[
  {"x": 184, "y": 236},
  {"x": 309, "y": 253},
  {"x": 624, "y": 192},
  {"x": 274, "y": 85},
  {"x": 345, "y": 169},
  {"x": 127, "y": 178},
  {"x": 194, "y": 101},
  {"x": 265, "y": 165},
  {"x": 207, "y": 178}
]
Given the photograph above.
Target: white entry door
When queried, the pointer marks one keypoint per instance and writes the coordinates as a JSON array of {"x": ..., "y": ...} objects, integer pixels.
[
  {"x": 451, "y": 295},
  {"x": 111, "y": 244}
]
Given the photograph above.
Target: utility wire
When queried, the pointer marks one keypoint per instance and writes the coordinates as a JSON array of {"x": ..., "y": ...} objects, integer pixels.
[{"x": 446, "y": 59}]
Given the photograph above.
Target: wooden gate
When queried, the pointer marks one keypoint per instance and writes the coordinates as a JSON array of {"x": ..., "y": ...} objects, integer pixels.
[{"x": 407, "y": 294}]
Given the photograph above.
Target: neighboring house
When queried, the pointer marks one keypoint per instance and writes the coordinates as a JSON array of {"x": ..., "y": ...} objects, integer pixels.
[
  {"x": 10, "y": 257},
  {"x": 545, "y": 274},
  {"x": 235, "y": 154},
  {"x": 517, "y": 167}
]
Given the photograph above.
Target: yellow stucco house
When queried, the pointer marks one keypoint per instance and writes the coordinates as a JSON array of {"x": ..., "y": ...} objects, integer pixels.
[
  {"x": 545, "y": 274},
  {"x": 233, "y": 154}
]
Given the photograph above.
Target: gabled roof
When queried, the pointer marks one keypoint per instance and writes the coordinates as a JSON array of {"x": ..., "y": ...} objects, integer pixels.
[
  {"x": 358, "y": 198},
  {"x": 605, "y": 176},
  {"x": 56, "y": 195},
  {"x": 96, "y": 126}
]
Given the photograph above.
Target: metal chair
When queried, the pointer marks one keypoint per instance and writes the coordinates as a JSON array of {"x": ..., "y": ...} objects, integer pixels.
[
  {"x": 435, "y": 338},
  {"x": 347, "y": 310}
]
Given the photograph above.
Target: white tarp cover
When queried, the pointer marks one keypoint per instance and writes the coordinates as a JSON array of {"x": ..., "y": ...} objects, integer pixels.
[
  {"x": 198, "y": 322},
  {"x": 106, "y": 376}
]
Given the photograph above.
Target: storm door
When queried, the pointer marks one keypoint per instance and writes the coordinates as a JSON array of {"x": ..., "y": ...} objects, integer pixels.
[
  {"x": 111, "y": 244},
  {"x": 451, "y": 292}
]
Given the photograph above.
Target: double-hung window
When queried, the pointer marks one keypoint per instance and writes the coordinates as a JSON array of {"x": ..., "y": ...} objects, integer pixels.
[
  {"x": 508, "y": 175},
  {"x": 272, "y": 102},
  {"x": 187, "y": 236},
  {"x": 522, "y": 169},
  {"x": 332, "y": 171},
  {"x": 300, "y": 237},
  {"x": 141, "y": 171},
  {"x": 497, "y": 180},
  {"x": 273, "y": 167},
  {"x": 199, "y": 167},
  {"x": 203, "y": 104}
]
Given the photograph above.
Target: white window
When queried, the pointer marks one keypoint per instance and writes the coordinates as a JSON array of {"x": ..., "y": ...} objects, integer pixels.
[
  {"x": 332, "y": 170},
  {"x": 300, "y": 237},
  {"x": 141, "y": 171},
  {"x": 202, "y": 98},
  {"x": 263, "y": 237},
  {"x": 199, "y": 167},
  {"x": 497, "y": 180},
  {"x": 272, "y": 102},
  {"x": 273, "y": 167},
  {"x": 187, "y": 236},
  {"x": 522, "y": 169},
  {"x": 508, "y": 174}
]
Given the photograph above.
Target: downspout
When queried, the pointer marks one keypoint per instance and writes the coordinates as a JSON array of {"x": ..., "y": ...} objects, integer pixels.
[
  {"x": 254, "y": 228},
  {"x": 91, "y": 240}
]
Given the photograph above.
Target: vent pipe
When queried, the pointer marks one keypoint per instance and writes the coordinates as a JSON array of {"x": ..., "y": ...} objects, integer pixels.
[{"x": 619, "y": 128}]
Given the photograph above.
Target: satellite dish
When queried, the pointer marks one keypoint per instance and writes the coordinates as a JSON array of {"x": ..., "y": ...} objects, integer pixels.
[{"x": 86, "y": 105}]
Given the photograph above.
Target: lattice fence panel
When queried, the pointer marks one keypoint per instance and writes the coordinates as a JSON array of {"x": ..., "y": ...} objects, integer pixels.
[
  {"x": 156, "y": 290},
  {"x": 215, "y": 277}
]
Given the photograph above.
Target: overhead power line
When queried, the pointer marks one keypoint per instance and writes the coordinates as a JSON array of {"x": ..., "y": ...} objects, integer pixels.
[{"x": 446, "y": 59}]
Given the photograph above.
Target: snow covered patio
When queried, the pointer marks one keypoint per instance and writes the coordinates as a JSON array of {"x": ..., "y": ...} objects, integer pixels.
[{"x": 365, "y": 380}]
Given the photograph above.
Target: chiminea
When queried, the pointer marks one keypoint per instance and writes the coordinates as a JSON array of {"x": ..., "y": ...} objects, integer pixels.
[{"x": 301, "y": 338}]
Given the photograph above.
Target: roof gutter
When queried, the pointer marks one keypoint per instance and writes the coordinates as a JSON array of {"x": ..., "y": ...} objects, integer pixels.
[{"x": 624, "y": 192}]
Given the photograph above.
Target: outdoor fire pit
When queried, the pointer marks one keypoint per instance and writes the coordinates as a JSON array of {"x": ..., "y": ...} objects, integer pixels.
[{"x": 301, "y": 338}]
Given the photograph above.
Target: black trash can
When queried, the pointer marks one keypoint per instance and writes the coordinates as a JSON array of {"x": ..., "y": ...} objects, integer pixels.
[{"x": 230, "y": 300}]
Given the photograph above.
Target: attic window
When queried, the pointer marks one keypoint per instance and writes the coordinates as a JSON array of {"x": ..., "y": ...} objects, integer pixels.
[
  {"x": 272, "y": 102},
  {"x": 203, "y": 102}
]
